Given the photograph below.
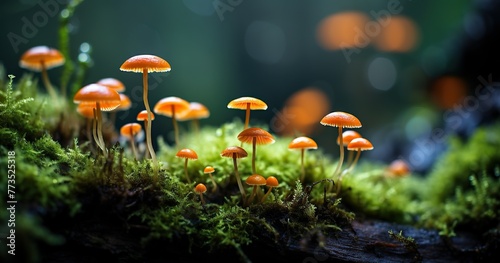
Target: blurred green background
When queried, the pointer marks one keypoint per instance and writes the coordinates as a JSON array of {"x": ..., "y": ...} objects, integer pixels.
[{"x": 223, "y": 49}]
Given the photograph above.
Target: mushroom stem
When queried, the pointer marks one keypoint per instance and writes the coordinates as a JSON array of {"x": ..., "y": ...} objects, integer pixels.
[
  {"x": 202, "y": 199},
  {"x": 350, "y": 155},
  {"x": 99, "y": 129},
  {"x": 213, "y": 183},
  {"x": 254, "y": 191},
  {"x": 176, "y": 128},
  {"x": 358, "y": 153},
  {"x": 46, "y": 82},
  {"x": 236, "y": 174},
  {"x": 267, "y": 193},
  {"x": 186, "y": 170},
  {"x": 348, "y": 170},
  {"x": 302, "y": 170},
  {"x": 247, "y": 115},
  {"x": 94, "y": 129},
  {"x": 132, "y": 137},
  {"x": 341, "y": 146},
  {"x": 148, "y": 109},
  {"x": 254, "y": 142}
]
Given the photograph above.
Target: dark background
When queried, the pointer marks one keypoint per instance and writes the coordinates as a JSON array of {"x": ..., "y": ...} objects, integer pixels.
[{"x": 271, "y": 49}]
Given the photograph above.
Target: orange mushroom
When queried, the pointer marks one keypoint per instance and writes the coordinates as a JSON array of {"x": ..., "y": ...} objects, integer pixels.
[
  {"x": 247, "y": 103},
  {"x": 236, "y": 152},
  {"x": 87, "y": 111},
  {"x": 210, "y": 170},
  {"x": 256, "y": 181},
  {"x": 201, "y": 189},
  {"x": 171, "y": 107},
  {"x": 143, "y": 116},
  {"x": 125, "y": 104},
  {"x": 398, "y": 168},
  {"x": 357, "y": 144},
  {"x": 271, "y": 182},
  {"x": 40, "y": 59},
  {"x": 347, "y": 137},
  {"x": 101, "y": 98},
  {"x": 145, "y": 64},
  {"x": 340, "y": 119},
  {"x": 196, "y": 112},
  {"x": 130, "y": 130},
  {"x": 255, "y": 136},
  {"x": 187, "y": 154},
  {"x": 302, "y": 143}
]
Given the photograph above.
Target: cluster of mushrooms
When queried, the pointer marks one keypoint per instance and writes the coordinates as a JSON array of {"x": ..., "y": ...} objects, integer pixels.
[{"x": 105, "y": 95}]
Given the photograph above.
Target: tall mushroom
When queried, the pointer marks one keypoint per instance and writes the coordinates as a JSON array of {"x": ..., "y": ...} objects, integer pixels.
[
  {"x": 101, "y": 98},
  {"x": 347, "y": 137},
  {"x": 340, "y": 119},
  {"x": 171, "y": 107},
  {"x": 236, "y": 152},
  {"x": 145, "y": 64},
  {"x": 255, "y": 136},
  {"x": 302, "y": 143},
  {"x": 40, "y": 59},
  {"x": 187, "y": 154},
  {"x": 247, "y": 104}
]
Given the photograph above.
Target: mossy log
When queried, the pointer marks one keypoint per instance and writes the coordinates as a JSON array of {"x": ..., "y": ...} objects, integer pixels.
[{"x": 94, "y": 239}]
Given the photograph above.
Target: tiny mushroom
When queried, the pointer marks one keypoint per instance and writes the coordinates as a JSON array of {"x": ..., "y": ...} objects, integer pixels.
[
  {"x": 210, "y": 170},
  {"x": 129, "y": 131},
  {"x": 145, "y": 64},
  {"x": 302, "y": 143},
  {"x": 271, "y": 182},
  {"x": 357, "y": 144},
  {"x": 40, "y": 59},
  {"x": 143, "y": 116},
  {"x": 255, "y": 136},
  {"x": 340, "y": 119},
  {"x": 398, "y": 168},
  {"x": 247, "y": 104},
  {"x": 236, "y": 152},
  {"x": 171, "y": 107},
  {"x": 201, "y": 189},
  {"x": 187, "y": 154},
  {"x": 256, "y": 181},
  {"x": 347, "y": 137}
]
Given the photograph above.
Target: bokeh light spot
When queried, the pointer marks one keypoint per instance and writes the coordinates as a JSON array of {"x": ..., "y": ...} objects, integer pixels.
[
  {"x": 265, "y": 42},
  {"x": 382, "y": 73},
  {"x": 341, "y": 30},
  {"x": 400, "y": 34},
  {"x": 448, "y": 91}
]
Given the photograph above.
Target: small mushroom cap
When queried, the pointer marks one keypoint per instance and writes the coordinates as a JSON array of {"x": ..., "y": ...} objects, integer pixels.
[
  {"x": 235, "y": 151},
  {"x": 200, "y": 188},
  {"x": 339, "y": 118},
  {"x": 150, "y": 62},
  {"x": 165, "y": 105},
  {"x": 112, "y": 83},
  {"x": 348, "y": 136},
  {"x": 187, "y": 153},
  {"x": 130, "y": 129},
  {"x": 399, "y": 167},
  {"x": 32, "y": 59},
  {"x": 256, "y": 179},
  {"x": 196, "y": 111},
  {"x": 108, "y": 98},
  {"x": 303, "y": 142},
  {"x": 262, "y": 136},
  {"x": 143, "y": 116},
  {"x": 208, "y": 170},
  {"x": 271, "y": 181},
  {"x": 86, "y": 110},
  {"x": 241, "y": 103},
  {"x": 361, "y": 144}
]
